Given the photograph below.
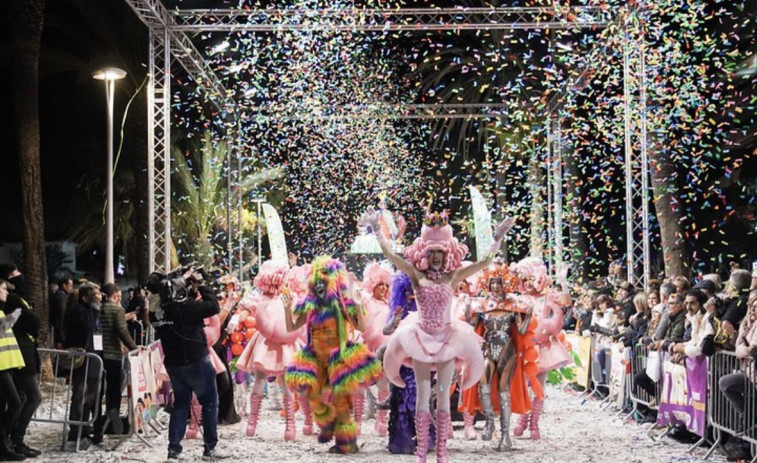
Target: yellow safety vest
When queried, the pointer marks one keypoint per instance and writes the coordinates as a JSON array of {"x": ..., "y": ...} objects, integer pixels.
[{"x": 10, "y": 355}]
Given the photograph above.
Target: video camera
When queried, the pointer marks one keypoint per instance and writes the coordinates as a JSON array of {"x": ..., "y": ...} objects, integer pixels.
[{"x": 173, "y": 287}]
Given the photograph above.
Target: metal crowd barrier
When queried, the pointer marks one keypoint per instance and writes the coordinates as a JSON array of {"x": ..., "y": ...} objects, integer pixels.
[
  {"x": 722, "y": 415},
  {"x": 63, "y": 362},
  {"x": 595, "y": 370},
  {"x": 638, "y": 395}
]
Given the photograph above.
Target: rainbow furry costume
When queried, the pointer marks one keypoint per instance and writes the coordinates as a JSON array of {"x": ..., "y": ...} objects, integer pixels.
[{"x": 328, "y": 360}]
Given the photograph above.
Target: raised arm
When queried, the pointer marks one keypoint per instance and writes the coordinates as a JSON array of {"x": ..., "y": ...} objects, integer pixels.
[
  {"x": 286, "y": 299},
  {"x": 371, "y": 220},
  {"x": 499, "y": 233}
]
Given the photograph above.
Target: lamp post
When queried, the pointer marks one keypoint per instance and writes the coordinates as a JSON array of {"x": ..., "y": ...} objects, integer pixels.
[{"x": 110, "y": 75}]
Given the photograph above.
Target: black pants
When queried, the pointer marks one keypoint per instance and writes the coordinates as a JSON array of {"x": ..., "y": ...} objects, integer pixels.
[
  {"x": 84, "y": 398},
  {"x": 27, "y": 385},
  {"x": 10, "y": 404},
  {"x": 113, "y": 377},
  {"x": 643, "y": 380},
  {"x": 227, "y": 414}
]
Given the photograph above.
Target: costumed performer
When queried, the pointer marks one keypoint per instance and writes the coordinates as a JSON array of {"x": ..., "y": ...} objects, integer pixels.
[
  {"x": 547, "y": 307},
  {"x": 328, "y": 359},
  {"x": 430, "y": 339},
  {"x": 271, "y": 349}
]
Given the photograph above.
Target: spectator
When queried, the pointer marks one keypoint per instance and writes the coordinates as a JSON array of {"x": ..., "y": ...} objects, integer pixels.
[
  {"x": 736, "y": 303},
  {"x": 625, "y": 297},
  {"x": 666, "y": 290},
  {"x": 682, "y": 284},
  {"x": 715, "y": 278},
  {"x": 734, "y": 385},
  {"x": 708, "y": 287},
  {"x": 699, "y": 322},
  {"x": 638, "y": 323},
  {"x": 673, "y": 334},
  {"x": 115, "y": 336},
  {"x": 26, "y": 379},
  {"x": 58, "y": 303},
  {"x": 606, "y": 326},
  {"x": 10, "y": 361},
  {"x": 82, "y": 330},
  {"x": 136, "y": 324}
]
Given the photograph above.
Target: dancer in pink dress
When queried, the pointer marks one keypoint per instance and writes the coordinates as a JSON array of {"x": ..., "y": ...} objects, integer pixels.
[
  {"x": 547, "y": 308},
  {"x": 376, "y": 281},
  {"x": 429, "y": 339},
  {"x": 271, "y": 349}
]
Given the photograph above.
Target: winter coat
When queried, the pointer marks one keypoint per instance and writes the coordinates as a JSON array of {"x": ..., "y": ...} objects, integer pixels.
[
  {"x": 113, "y": 323},
  {"x": 182, "y": 333},
  {"x": 701, "y": 327}
]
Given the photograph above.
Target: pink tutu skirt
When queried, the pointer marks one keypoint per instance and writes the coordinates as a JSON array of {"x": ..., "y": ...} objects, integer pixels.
[
  {"x": 456, "y": 341},
  {"x": 552, "y": 355},
  {"x": 264, "y": 355}
]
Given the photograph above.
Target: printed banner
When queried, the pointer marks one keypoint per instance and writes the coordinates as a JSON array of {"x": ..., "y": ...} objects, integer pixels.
[
  {"x": 146, "y": 384},
  {"x": 684, "y": 394},
  {"x": 619, "y": 357},
  {"x": 582, "y": 346}
]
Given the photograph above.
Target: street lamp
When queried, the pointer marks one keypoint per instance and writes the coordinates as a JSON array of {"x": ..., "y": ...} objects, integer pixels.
[{"x": 110, "y": 75}]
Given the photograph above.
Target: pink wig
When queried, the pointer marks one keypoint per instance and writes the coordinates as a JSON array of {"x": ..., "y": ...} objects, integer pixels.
[
  {"x": 533, "y": 267},
  {"x": 271, "y": 277},
  {"x": 436, "y": 235},
  {"x": 373, "y": 275},
  {"x": 297, "y": 279}
]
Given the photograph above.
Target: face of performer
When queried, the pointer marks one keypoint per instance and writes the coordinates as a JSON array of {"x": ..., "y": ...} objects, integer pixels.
[
  {"x": 463, "y": 287},
  {"x": 321, "y": 286},
  {"x": 528, "y": 284},
  {"x": 495, "y": 286},
  {"x": 436, "y": 259},
  {"x": 379, "y": 291}
]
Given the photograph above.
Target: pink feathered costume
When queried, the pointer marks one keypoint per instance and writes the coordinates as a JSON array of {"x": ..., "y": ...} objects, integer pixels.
[
  {"x": 431, "y": 335},
  {"x": 377, "y": 311},
  {"x": 271, "y": 349}
]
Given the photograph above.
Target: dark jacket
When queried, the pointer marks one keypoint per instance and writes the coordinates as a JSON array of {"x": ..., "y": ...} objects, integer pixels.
[
  {"x": 735, "y": 310},
  {"x": 181, "y": 333},
  {"x": 113, "y": 322},
  {"x": 675, "y": 329},
  {"x": 636, "y": 330},
  {"x": 26, "y": 331},
  {"x": 57, "y": 307},
  {"x": 80, "y": 325}
]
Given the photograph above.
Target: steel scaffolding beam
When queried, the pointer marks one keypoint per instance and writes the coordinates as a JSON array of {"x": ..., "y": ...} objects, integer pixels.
[
  {"x": 383, "y": 111},
  {"x": 636, "y": 161},
  {"x": 382, "y": 20}
]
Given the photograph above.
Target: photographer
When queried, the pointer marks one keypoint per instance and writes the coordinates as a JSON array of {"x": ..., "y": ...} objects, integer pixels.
[{"x": 179, "y": 324}]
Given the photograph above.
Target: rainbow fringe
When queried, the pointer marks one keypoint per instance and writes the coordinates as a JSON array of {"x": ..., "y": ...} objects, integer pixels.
[
  {"x": 345, "y": 436},
  {"x": 302, "y": 371},
  {"x": 352, "y": 368},
  {"x": 324, "y": 415}
]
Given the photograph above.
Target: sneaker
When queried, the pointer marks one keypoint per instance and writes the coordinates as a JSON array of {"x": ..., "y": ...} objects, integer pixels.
[
  {"x": 173, "y": 456},
  {"x": 213, "y": 455}
]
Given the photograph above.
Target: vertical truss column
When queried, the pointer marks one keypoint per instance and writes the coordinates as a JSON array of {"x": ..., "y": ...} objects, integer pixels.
[
  {"x": 158, "y": 152},
  {"x": 557, "y": 192},
  {"x": 636, "y": 161}
]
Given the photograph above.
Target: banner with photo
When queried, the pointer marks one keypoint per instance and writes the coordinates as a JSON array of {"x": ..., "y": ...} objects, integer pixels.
[
  {"x": 146, "y": 384},
  {"x": 581, "y": 346},
  {"x": 684, "y": 394}
]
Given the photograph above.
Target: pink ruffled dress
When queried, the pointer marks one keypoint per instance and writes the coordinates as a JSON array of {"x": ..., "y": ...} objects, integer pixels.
[
  {"x": 213, "y": 334},
  {"x": 271, "y": 349},
  {"x": 430, "y": 335},
  {"x": 548, "y": 310},
  {"x": 375, "y": 318}
]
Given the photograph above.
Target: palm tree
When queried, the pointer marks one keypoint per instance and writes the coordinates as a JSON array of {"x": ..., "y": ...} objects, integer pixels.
[
  {"x": 25, "y": 19},
  {"x": 200, "y": 197}
]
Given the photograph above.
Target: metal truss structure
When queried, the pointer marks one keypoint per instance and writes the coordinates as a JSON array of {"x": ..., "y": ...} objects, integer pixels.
[
  {"x": 386, "y": 20},
  {"x": 170, "y": 43},
  {"x": 555, "y": 180}
]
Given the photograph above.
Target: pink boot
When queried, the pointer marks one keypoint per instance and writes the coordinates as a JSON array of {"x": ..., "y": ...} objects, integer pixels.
[
  {"x": 536, "y": 408},
  {"x": 381, "y": 428},
  {"x": 290, "y": 433},
  {"x": 194, "y": 419},
  {"x": 307, "y": 427},
  {"x": 358, "y": 401},
  {"x": 524, "y": 421},
  {"x": 443, "y": 423},
  {"x": 469, "y": 432},
  {"x": 422, "y": 425},
  {"x": 252, "y": 421}
]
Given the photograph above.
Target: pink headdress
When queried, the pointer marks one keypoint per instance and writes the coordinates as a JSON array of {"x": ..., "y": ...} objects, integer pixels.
[
  {"x": 373, "y": 275},
  {"x": 533, "y": 267},
  {"x": 271, "y": 277},
  {"x": 436, "y": 235},
  {"x": 297, "y": 279}
]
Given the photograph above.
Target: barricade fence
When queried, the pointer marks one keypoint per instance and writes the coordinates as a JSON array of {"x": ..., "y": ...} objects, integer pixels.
[
  {"x": 72, "y": 399},
  {"x": 718, "y": 392}
]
